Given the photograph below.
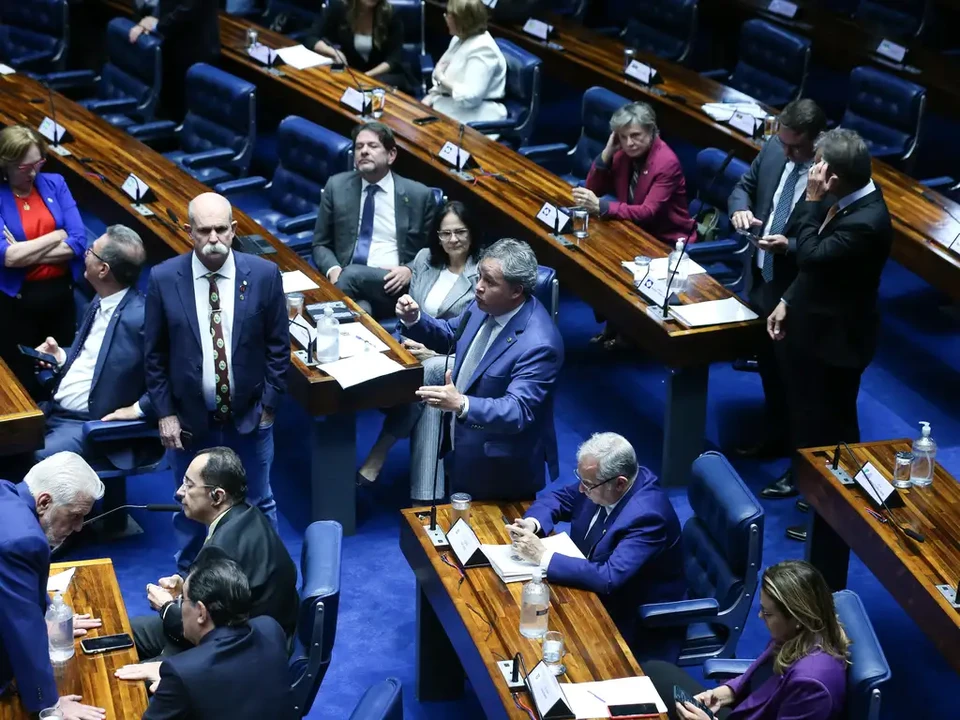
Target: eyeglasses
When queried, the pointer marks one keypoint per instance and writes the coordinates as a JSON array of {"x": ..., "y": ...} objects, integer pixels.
[
  {"x": 27, "y": 167},
  {"x": 461, "y": 233},
  {"x": 91, "y": 251},
  {"x": 590, "y": 488},
  {"x": 190, "y": 484}
]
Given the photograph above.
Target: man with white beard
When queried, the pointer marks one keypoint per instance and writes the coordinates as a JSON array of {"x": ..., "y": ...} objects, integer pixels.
[{"x": 203, "y": 309}]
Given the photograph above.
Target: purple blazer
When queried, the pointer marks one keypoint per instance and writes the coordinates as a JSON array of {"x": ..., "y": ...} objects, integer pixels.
[
  {"x": 813, "y": 688},
  {"x": 56, "y": 196}
]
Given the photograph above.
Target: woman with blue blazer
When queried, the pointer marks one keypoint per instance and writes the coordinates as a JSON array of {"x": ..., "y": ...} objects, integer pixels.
[{"x": 41, "y": 252}]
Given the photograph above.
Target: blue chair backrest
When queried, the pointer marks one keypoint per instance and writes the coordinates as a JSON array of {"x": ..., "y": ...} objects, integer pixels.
[
  {"x": 548, "y": 289},
  {"x": 308, "y": 155},
  {"x": 663, "y": 27},
  {"x": 411, "y": 15},
  {"x": 598, "y": 106},
  {"x": 714, "y": 190},
  {"x": 439, "y": 198},
  {"x": 132, "y": 70},
  {"x": 319, "y": 607},
  {"x": 523, "y": 89},
  {"x": 868, "y": 669},
  {"x": 28, "y": 27},
  {"x": 772, "y": 65},
  {"x": 221, "y": 112},
  {"x": 885, "y": 109},
  {"x": 383, "y": 701},
  {"x": 900, "y": 18}
]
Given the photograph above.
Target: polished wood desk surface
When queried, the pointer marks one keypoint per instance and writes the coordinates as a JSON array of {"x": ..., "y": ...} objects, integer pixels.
[
  {"x": 114, "y": 154},
  {"x": 590, "y": 59},
  {"x": 21, "y": 421},
  {"x": 95, "y": 590},
  {"x": 909, "y": 570},
  {"x": 490, "y": 609}
]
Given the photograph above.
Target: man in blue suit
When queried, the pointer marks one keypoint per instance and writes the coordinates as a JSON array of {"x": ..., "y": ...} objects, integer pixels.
[
  {"x": 500, "y": 391},
  {"x": 217, "y": 354},
  {"x": 629, "y": 534},
  {"x": 100, "y": 376}
]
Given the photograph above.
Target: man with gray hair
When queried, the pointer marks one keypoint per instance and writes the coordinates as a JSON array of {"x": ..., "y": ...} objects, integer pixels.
[
  {"x": 38, "y": 515},
  {"x": 500, "y": 391},
  {"x": 626, "y": 528}
]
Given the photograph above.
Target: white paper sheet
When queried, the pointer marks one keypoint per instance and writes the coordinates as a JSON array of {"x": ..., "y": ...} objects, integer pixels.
[
  {"x": 361, "y": 368},
  {"x": 60, "y": 582},
  {"x": 6, "y": 70},
  {"x": 356, "y": 339},
  {"x": 658, "y": 268},
  {"x": 713, "y": 312},
  {"x": 512, "y": 568},
  {"x": 613, "y": 692},
  {"x": 297, "y": 281},
  {"x": 722, "y": 112},
  {"x": 302, "y": 58}
]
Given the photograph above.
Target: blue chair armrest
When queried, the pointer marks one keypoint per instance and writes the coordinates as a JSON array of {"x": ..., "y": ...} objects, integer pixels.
[
  {"x": 426, "y": 66},
  {"x": 70, "y": 79},
  {"x": 155, "y": 130},
  {"x": 307, "y": 221},
  {"x": 554, "y": 157},
  {"x": 208, "y": 158},
  {"x": 120, "y": 106},
  {"x": 240, "y": 185},
  {"x": 98, "y": 430},
  {"x": 719, "y": 74},
  {"x": 723, "y": 669},
  {"x": 682, "y": 612},
  {"x": 943, "y": 180},
  {"x": 46, "y": 378},
  {"x": 24, "y": 62},
  {"x": 493, "y": 126},
  {"x": 718, "y": 249}
]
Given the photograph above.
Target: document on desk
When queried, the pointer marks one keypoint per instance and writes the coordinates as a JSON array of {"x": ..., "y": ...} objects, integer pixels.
[
  {"x": 584, "y": 698},
  {"x": 6, "y": 70},
  {"x": 302, "y": 58},
  {"x": 510, "y": 567},
  {"x": 297, "y": 281},
  {"x": 356, "y": 339},
  {"x": 60, "y": 582},
  {"x": 713, "y": 312},
  {"x": 361, "y": 368},
  {"x": 658, "y": 268},
  {"x": 722, "y": 112}
]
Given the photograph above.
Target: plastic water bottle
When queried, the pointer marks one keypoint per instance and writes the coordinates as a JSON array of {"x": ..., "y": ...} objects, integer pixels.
[
  {"x": 534, "y": 606},
  {"x": 328, "y": 337},
  {"x": 59, "y": 619},
  {"x": 678, "y": 261},
  {"x": 924, "y": 458}
]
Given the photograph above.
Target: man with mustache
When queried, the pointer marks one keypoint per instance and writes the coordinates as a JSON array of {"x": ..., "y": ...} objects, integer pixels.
[{"x": 204, "y": 309}]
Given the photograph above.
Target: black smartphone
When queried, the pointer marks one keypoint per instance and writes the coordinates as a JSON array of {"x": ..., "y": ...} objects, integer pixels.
[
  {"x": 37, "y": 355},
  {"x": 336, "y": 67},
  {"x": 682, "y": 696},
  {"x": 426, "y": 120},
  {"x": 106, "y": 643},
  {"x": 633, "y": 710}
]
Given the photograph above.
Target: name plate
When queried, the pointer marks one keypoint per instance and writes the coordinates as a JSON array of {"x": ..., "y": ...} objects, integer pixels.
[
  {"x": 743, "y": 122},
  {"x": 547, "y": 695},
  {"x": 263, "y": 54},
  {"x": 654, "y": 290},
  {"x": 466, "y": 545},
  {"x": 874, "y": 484},
  {"x": 782, "y": 8},
  {"x": 135, "y": 188},
  {"x": 538, "y": 28},
  {"x": 54, "y": 132},
  {"x": 891, "y": 51},
  {"x": 449, "y": 154},
  {"x": 553, "y": 218},
  {"x": 354, "y": 99},
  {"x": 638, "y": 71},
  {"x": 6, "y": 70}
]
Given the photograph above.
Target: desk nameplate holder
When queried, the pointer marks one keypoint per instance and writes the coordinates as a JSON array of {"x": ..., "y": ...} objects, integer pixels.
[
  {"x": 57, "y": 135},
  {"x": 951, "y": 594},
  {"x": 138, "y": 191},
  {"x": 457, "y": 158},
  {"x": 266, "y": 57}
]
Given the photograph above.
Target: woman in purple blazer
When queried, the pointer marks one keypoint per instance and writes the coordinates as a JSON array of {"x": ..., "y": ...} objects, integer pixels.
[{"x": 801, "y": 675}]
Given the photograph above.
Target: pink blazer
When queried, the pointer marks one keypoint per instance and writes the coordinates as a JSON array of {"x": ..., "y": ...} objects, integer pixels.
[{"x": 659, "y": 200}]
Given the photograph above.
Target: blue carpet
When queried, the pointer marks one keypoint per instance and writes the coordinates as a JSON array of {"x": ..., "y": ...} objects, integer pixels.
[{"x": 914, "y": 377}]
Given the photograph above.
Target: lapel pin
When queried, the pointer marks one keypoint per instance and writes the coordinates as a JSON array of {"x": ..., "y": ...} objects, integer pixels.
[
  {"x": 243, "y": 288},
  {"x": 644, "y": 172}
]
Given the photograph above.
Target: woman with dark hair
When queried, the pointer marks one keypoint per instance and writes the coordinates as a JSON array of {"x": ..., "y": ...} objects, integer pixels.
[{"x": 444, "y": 278}]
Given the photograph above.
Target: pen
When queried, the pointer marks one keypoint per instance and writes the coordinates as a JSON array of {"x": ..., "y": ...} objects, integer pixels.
[
  {"x": 877, "y": 515},
  {"x": 597, "y": 696}
]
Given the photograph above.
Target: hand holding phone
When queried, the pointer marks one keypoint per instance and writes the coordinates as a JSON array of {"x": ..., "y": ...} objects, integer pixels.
[
  {"x": 40, "y": 357},
  {"x": 681, "y": 696}
]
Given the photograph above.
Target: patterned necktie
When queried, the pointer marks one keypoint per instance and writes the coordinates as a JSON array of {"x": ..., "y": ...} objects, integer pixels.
[
  {"x": 475, "y": 354},
  {"x": 221, "y": 376},
  {"x": 634, "y": 176},
  {"x": 780, "y": 216},
  {"x": 365, "y": 236},
  {"x": 596, "y": 532}
]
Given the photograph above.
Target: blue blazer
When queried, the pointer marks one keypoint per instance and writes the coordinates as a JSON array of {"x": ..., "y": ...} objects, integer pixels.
[
  {"x": 638, "y": 560},
  {"x": 56, "y": 196},
  {"x": 24, "y": 566},
  {"x": 261, "y": 343},
  {"x": 508, "y": 432},
  {"x": 235, "y": 672}
]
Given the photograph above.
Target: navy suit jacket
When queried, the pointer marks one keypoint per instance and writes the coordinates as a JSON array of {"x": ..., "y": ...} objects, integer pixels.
[
  {"x": 638, "y": 560},
  {"x": 235, "y": 673},
  {"x": 24, "y": 566},
  {"x": 508, "y": 433},
  {"x": 261, "y": 343}
]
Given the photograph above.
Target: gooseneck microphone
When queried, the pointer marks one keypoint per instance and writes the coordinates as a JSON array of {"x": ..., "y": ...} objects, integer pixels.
[
  {"x": 360, "y": 89},
  {"x": 53, "y": 113},
  {"x": 459, "y": 145},
  {"x": 153, "y": 507}
]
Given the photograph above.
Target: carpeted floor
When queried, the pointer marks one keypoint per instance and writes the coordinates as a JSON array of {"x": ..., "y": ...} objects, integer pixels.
[{"x": 916, "y": 376}]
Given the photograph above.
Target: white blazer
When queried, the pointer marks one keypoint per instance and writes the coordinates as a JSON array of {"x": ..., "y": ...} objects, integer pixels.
[{"x": 469, "y": 79}]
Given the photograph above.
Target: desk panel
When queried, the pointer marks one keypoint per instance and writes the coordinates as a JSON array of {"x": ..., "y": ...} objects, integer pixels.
[{"x": 21, "y": 421}]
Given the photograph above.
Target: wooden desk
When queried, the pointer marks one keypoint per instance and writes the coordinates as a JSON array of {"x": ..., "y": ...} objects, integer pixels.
[
  {"x": 463, "y": 629},
  {"x": 21, "y": 421},
  {"x": 909, "y": 570},
  {"x": 114, "y": 154},
  {"x": 94, "y": 589}
]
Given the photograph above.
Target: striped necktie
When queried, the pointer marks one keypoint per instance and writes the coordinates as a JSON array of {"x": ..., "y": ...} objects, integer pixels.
[
  {"x": 780, "y": 216},
  {"x": 634, "y": 177}
]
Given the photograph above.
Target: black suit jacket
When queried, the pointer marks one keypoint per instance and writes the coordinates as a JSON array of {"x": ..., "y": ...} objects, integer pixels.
[
  {"x": 333, "y": 27},
  {"x": 235, "y": 673},
  {"x": 832, "y": 303},
  {"x": 191, "y": 30},
  {"x": 246, "y": 536}
]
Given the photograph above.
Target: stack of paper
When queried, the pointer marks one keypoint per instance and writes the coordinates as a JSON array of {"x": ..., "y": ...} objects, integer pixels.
[
  {"x": 361, "y": 368},
  {"x": 722, "y": 112},
  {"x": 713, "y": 312},
  {"x": 510, "y": 567},
  {"x": 356, "y": 339},
  {"x": 658, "y": 268},
  {"x": 301, "y": 58},
  {"x": 60, "y": 582},
  {"x": 297, "y": 281},
  {"x": 591, "y": 699}
]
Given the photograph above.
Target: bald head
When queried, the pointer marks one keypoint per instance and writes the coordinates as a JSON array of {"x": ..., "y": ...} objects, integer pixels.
[{"x": 211, "y": 228}]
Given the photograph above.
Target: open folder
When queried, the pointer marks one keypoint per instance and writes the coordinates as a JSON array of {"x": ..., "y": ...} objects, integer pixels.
[{"x": 510, "y": 567}]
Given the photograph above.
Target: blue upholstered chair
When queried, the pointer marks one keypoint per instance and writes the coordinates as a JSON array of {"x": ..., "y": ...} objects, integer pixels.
[
  {"x": 886, "y": 111},
  {"x": 897, "y": 18},
  {"x": 220, "y": 128},
  {"x": 665, "y": 28},
  {"x": 522, "y": 96},
  {"x": 319, "y": 607},
  {"x": 723, "y": 544},
  {"x": 34, "y": 34},
  {"x": 548, "y": 290},
  {"x": 772, "y": 65},
  {"x": 415, "y": 56},
  {"x": 868, "y": 668},
  {"x": 128, "y": 87},
  {"x": 383, "y": 701},
  {"x": 287, "y": 206}
]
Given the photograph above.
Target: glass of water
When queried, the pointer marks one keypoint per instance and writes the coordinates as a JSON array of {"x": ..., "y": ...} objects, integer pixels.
[
  {"x": 771, "y": 126},
  {"x": 378, "y": 101},
  {"x": 294, "y": 305},
  {"x": 460, "y": 502},
  {"x": 629, "y": 55},
  {"x": 252, "y": 38},
  {"x": 553, "y": 652},
  {"x": 901, "y": 469},
  {"x": 581, "y": 222}
]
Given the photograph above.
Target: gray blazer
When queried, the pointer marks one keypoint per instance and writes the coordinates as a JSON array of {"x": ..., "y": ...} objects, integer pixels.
[
  {"x": 335, "y": 234},
  {"x": 425, "y": 275}
]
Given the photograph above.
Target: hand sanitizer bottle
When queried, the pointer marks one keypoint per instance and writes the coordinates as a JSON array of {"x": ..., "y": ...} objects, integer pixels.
[
  {"x": 328, "y": 337},
  {"x": 59, "y": 619},
  {"x": 534, "y": 606},
  {"x": 924, "y": 458},
  {"x": 678, "y": 260}
]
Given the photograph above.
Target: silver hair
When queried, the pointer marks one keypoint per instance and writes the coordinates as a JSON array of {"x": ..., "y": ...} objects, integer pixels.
[
  {"x": 614, "y": 454},
  {"x": 635, "y": 113},
  {"x": 517, "y": 260},
  {"x": 124, "y": 253},
  {"x": 847, "y": 155},
  {"x": 66, "y": 477}
]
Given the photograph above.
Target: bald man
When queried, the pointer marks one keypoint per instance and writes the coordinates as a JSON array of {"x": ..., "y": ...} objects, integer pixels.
[{"x": 217, "y": 352}]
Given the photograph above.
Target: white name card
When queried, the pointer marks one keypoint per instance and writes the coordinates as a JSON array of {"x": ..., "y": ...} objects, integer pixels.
[
  {"x": 466, "y": 545},
  {"x": 553, "y": 218},
  {"x": 782, "y": 8},
  {"x": 354, "y": 99},
  {"x": 54, "y": 132},
  {"x": 653, "y": 289},
  {"x": 874, "y": 484},
  {"x": 538, "y": 28},
  {"x": 743, "y": 122},
  {"x": 449, "y": 154},
  {"x": 134, "y": 187},
  {"x": 6, "y": 70},
  {"x": 891, "y": 51},
  {"x": 546, "y": 692},
  {"x": 641, "y": 72},
  {"x": 262, "y": 54}
]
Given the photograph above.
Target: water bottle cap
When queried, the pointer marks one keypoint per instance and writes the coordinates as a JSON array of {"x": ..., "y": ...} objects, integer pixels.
[
  {"x": 925, "y": 428},
  {"x": 680, "y": 243},
  {"x": 328, "y": 311},
  {"x": 57, "y": 599}
]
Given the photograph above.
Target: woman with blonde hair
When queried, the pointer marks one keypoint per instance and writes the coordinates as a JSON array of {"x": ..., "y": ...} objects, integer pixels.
[{"x": 801, "y": 675}]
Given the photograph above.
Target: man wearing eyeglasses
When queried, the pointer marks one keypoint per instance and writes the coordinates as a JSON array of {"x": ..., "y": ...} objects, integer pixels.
[{"x": 626, "y": 528}]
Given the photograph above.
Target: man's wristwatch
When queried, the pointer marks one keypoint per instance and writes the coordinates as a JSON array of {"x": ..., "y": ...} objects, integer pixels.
[{"x": 463, "y": 404}]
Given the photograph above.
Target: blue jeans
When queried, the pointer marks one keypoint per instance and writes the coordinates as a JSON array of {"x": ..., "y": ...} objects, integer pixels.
[{"x": 256, "y": 453}]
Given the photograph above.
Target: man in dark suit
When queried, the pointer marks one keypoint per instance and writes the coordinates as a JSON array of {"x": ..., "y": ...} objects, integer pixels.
[
  {"x": 500, "y": 391},
  {"x": 372, "y": 223},
  {"x": 39, "y": 514},
  {"x": 217, "y": 354},
  {"x": 827, "y": 320},
  {"x": 762, "y": 204},
  {"x": 627, "y": 530},
  {"x": 212, "y": 493},
  {"x": 238, "y": 665},
  {"x": 100, "y": 376}
]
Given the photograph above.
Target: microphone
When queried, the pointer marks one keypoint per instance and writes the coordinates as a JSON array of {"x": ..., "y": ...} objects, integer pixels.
[
  {"x": 934, "y": 200},
  {"x": 153, "y": 507},
  {"x": 356, "y": 82},
  {"x": 53, "y": 116},
  {"x": 459, "y": 144},
  {"x": 666, "y": 295}
]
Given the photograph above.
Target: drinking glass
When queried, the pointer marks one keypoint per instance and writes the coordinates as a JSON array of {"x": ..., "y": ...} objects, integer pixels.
[
  {"x": 629, "y": 55},
  {"x": 901, "y": 469},
  {"x": 771, "y": 126},
  {"x": 553, "y": 652},
  {"x": 460, "y": 502},
  {"x": 252, "y": 38},
  {"x": 377, "y": 102},
  {"x": 581, "y": 222},
  {"x": 294, "y": 305}
]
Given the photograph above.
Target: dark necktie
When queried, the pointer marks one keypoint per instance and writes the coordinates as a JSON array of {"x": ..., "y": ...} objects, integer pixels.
[
  {"x": 221, "y": 377},
  {"x": 634, "y": 176},
  {"x": 596, "y": 532},
  {"x": 80, "y": 339},
  {"x": 365, "y": 236},
  {"x": 781, "y": 214}
]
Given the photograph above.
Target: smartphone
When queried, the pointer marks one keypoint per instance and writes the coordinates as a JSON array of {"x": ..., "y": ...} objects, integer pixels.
[
  {"x": 682, "y": 696},
  {"x": 426, "y": 120},
  {"x": 106, "y": 643},
  {"x": 37, "y": 355},
  {"x": 633, "y": 710},
  {"x": 336, "y": 67}
]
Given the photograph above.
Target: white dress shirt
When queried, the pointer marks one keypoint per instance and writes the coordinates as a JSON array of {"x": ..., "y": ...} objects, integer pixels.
[
  {"x": 438, "y": 293},
  {"x": 798, "y": 193},
  {"x": 383, "y": 246},
  {"x": 500, "y": 322},
  {"x": 548, "y": 554},
  {"x": 73, "y": 394},
  {"x": 226, "y": 289}
]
